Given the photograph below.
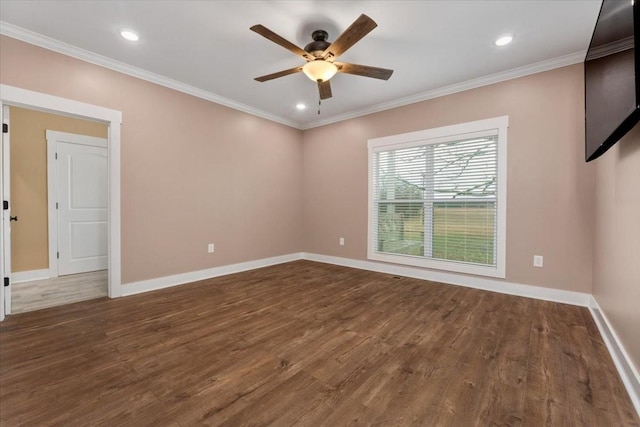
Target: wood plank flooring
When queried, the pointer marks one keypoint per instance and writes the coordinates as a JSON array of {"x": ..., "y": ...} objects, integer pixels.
[
  {"x": 309, "y": 344},
  {"x": 39, "y": 294}
]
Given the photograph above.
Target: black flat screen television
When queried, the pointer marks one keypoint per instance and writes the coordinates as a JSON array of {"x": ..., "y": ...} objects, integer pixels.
[{"x": 612, "y": 76}]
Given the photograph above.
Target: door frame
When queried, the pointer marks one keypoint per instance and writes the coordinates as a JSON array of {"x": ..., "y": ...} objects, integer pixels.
[
  {"x": 5, "y": 226},
  {"x": 18, "y": 97},
  {"x": 53, "y": 137}
]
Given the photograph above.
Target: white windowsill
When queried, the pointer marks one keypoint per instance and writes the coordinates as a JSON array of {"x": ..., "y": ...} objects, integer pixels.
[{"x": 457, "y": 267}]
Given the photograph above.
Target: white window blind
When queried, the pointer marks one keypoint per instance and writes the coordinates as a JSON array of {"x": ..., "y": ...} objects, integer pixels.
[{"x": 437, "y": 200}]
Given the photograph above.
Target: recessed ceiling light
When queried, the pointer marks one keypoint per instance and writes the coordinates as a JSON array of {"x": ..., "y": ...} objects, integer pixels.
[
  {"x": 301, "y": 106},
  {"x": 504, "y": 40},
  {"x": 130, "y": 35}
]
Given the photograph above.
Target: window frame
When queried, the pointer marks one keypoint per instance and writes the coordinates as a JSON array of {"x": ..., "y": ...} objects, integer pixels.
[{"x": 496, "y": 126}]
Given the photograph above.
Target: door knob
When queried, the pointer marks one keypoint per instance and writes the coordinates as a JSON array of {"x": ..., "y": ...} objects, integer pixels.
[{"x": 13, "y": 218}]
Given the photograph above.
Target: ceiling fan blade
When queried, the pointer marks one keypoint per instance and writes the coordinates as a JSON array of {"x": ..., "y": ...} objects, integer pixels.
[
  {"x": 279, "y": 74},
  {"x": 364, "y": 70},
  {"x": 270, "y": 35},
  {"x": 356, "y": 31},
  {"x": 325, "y": 89}
]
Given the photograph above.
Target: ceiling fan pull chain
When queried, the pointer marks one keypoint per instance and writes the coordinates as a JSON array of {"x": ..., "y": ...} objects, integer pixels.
[{"x": 319, "y": 104}]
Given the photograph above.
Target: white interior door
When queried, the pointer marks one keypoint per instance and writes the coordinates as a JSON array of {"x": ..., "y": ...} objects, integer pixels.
[{"x": 82, "y": 202}]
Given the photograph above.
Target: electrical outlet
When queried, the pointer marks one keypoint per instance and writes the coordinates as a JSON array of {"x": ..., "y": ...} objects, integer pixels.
[
  {"x": 211, "y": 248},
  {"x": 538, "y": 260},
  {"x": 342, "y": 241}
]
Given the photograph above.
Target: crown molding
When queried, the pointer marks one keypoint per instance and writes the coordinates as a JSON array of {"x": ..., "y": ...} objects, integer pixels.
[
  {"x": 27, "y": 36},
  {"x": 19, "y": 33},
  {"x": 611, "y": 48},
  {"x": 538, "y": 67}
]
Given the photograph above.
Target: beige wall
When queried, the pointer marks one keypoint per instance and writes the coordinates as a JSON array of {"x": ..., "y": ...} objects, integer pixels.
[
  {"x": 193, "y": 172},
  {"x": 616, "y": 272},
  {"x": 29, "y": 235},
  {"x": 550, "y": 188}
]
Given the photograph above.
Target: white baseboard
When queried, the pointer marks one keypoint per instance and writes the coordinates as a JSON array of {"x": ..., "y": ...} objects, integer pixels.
[
  {"x": 180, "y": 279},
  {"x": 537, "y": 292},
  {"x": 29, "y": 276},
  {"x": 621, "y": 359}
]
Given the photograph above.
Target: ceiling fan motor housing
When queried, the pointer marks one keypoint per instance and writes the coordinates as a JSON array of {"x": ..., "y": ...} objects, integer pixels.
[{"x": 319, "y": 43}]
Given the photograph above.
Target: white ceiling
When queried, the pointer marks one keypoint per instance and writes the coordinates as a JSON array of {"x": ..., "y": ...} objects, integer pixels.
[{"x": 206, "y": 48}]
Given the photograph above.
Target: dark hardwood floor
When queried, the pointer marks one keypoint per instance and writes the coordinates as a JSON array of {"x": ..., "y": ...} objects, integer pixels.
[{"x": 313, "y": 345}]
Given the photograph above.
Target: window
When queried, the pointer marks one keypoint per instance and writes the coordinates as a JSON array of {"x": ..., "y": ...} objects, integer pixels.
[{"x": 437, "y": 198}]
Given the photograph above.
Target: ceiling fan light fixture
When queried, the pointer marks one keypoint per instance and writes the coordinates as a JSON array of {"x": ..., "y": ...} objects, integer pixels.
[{"x": 320, "y": 70}]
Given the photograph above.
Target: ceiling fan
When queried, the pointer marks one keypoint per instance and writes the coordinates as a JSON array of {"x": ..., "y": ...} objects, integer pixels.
[{"x": 321, "y": 55}]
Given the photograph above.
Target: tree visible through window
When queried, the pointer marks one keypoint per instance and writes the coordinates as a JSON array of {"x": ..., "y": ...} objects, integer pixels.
[{"x": 436, "y": 199}]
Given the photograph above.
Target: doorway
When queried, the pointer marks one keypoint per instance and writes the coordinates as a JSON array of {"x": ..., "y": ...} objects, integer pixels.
[
  {"x": 59, "y": 194},
  {"x": 13, "y": 96}
]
